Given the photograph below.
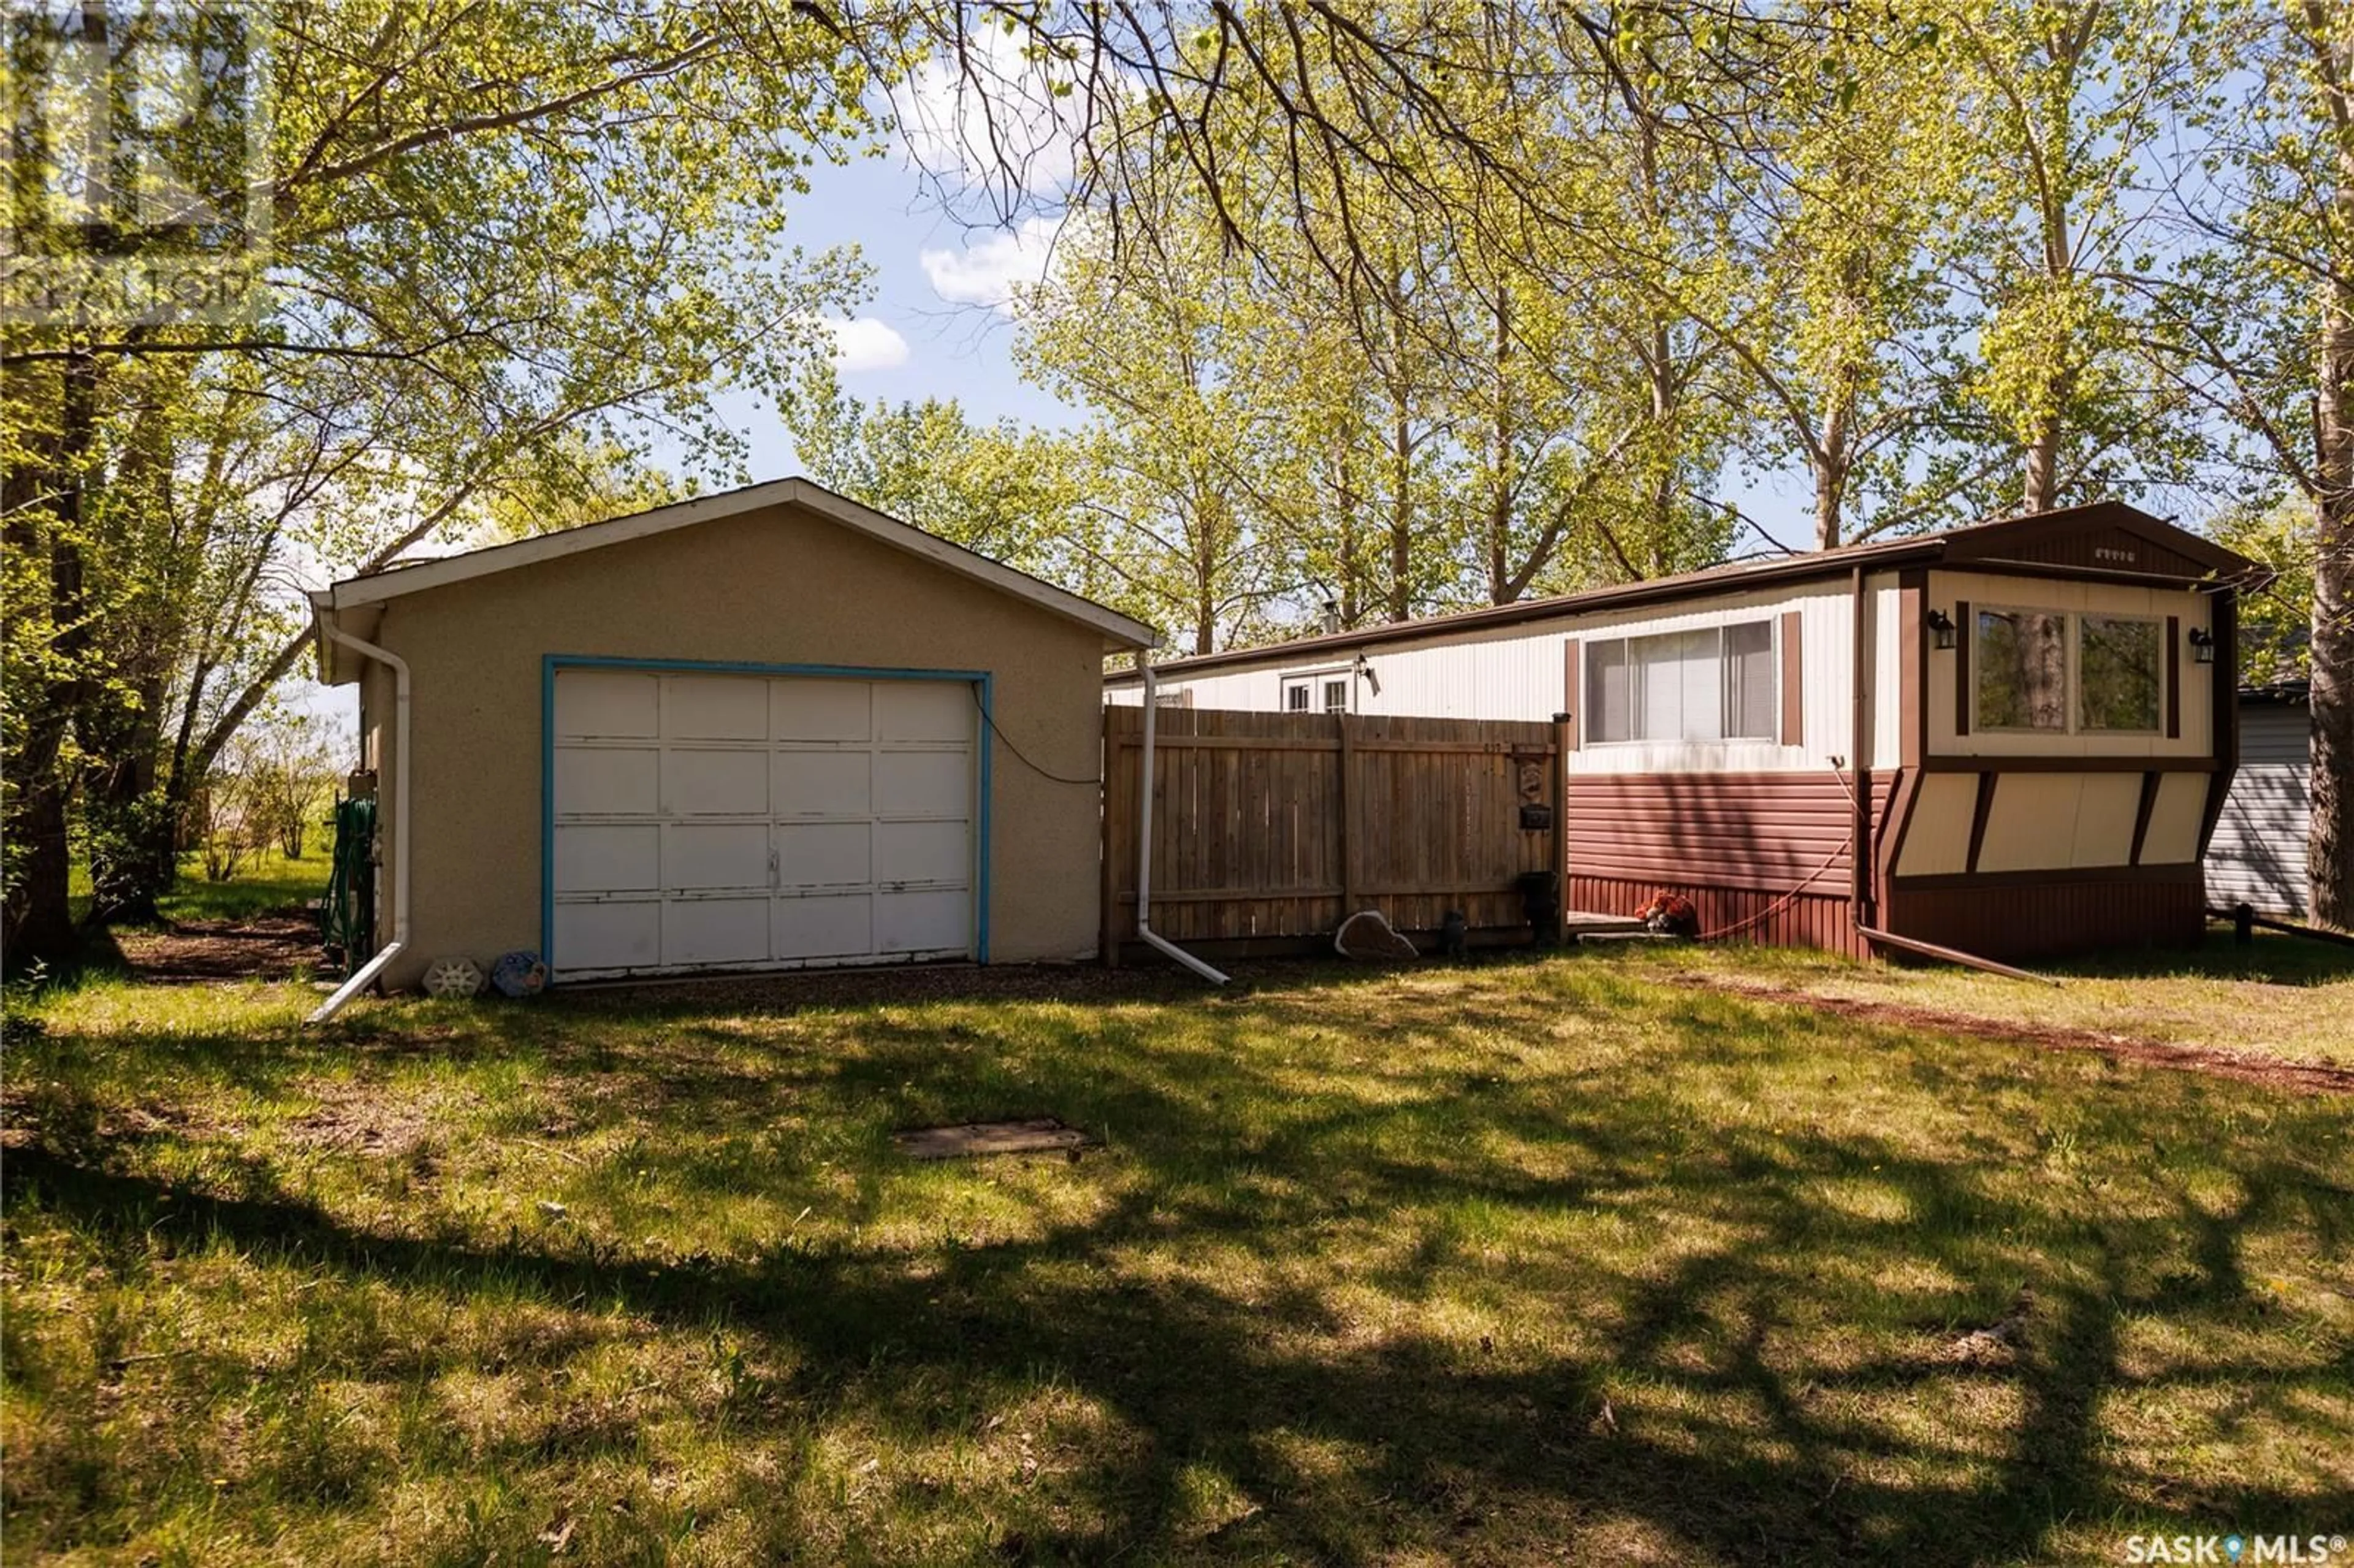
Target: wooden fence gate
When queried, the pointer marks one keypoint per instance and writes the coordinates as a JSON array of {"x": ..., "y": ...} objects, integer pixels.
[{"x": 1269, "y": 829}]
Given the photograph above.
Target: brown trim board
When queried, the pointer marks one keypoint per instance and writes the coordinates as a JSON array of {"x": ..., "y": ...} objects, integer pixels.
[
  {"x": 1979, "y": 813},
  {"x": 1794, "y": 679},
  {"x": 2224, "y": 721},
  {"x": 1570, "y": 694},
  {"x": 2142, "y": 810},
  {"x": 1860, "y": 883},
  {"x": 1894, "y": 823},
  {"x": 1961, "y": 666},
  {"x": 2001, "y": 764},
  {"x": 2174, "y": 677},
  {"x": 2187, "y": 871}
]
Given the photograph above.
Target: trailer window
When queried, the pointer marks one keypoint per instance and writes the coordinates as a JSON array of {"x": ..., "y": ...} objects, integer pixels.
[
  {"x": 1608, "y": 716},
  {"x": 1315, "y": 692},
  {"x": 2118, "y": 673},
  {"x": 2022, "y": 669},
  {"x": 1751, "y": 711},
  {"x": 1714, "y": 683}
]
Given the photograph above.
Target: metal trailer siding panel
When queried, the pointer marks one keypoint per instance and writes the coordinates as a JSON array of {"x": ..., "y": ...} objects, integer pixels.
[
  {"x": 2258, "y": 854},
  {"x": 1515, "y": 673}
]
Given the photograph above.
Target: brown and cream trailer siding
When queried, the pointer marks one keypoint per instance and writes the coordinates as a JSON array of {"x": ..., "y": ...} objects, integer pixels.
[
  {"x": 2012, "y": 738},
  {"x": 764, "y": 729}
]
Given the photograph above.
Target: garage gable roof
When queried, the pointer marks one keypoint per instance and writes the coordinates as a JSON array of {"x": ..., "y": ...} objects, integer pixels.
[{"x": 374, "y": 588}]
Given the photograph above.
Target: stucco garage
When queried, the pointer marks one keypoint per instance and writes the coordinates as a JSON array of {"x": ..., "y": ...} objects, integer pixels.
[{"x": 767, "y": 729}]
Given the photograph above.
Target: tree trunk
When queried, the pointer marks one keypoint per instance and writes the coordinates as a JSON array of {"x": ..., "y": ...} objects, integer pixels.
[
  {"x": 1833, "y": 458},
  {"x": 120, "y": 725},
  {"x": 2329, "y": 851},
  {"x": 1664, "y": 394},
  {"x": 1827, "y": 507},
  {"x": 1205, "y": 581},
  {"x": 1499, "y": 464},
  {"x": 36, "y": 919},
  {"x": 1347, "y": 552},
  {"x": 2329, "y": 858},
  {"x": 1401, "y": 605},
  {"x": 130, "y": 836},
  {"x": 1832, "y": 464},
  {"x": 2042, "y": 486}
]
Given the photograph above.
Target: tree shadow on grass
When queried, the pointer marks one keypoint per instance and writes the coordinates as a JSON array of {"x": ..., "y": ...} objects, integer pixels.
[
  {"x": 1443, "y": 1450},
  {"x": 1756, "y": 1375},
  {"x": 2274, "y": 958}
]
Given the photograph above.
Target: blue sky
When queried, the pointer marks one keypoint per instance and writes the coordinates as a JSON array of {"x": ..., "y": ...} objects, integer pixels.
[
  {"x": 930, "y": 329},
  {"x": 911, "y": 340}
]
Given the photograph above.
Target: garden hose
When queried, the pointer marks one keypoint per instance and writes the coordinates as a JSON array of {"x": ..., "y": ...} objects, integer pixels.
[{"x": 347, "y": 913}]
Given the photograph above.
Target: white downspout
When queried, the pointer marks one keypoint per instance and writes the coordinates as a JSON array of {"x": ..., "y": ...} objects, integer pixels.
[
  {"x": 365, "y": 974},
  {"x": 1144, "y": 850}
]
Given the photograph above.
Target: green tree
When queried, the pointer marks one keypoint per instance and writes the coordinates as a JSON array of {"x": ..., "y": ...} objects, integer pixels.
[
  {"x": 2276, "y": 621},
  {"x": 1842, "y": 320},
  {"x": 996, "y": 488},
  {"x": 505, "y": 236},
  {"x": 2056, "y": 111},
  {"x": 2255, "y": 321},
  {"x": 1146, "y": 335}
]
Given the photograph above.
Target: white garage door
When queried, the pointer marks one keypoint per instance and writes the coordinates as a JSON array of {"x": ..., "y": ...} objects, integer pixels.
[{"x": 751, "y": 822}]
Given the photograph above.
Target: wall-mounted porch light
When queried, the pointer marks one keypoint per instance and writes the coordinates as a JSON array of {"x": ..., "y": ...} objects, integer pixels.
[
  {"x": 1940, "y": 627},
  {"x": 2203, "y": 645}
]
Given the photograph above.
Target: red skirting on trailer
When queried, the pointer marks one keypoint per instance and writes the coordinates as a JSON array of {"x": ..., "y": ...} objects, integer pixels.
[
  {"x": 1738, "y": 845},
  {"x": 1809, "y": 920}
]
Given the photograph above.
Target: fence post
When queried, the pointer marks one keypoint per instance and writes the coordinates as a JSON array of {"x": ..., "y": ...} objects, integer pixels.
[
  {"x": 1346, "y": 817},
  {"x": 1562, "y": 737},
  {"x": 1109, "y": 942}
]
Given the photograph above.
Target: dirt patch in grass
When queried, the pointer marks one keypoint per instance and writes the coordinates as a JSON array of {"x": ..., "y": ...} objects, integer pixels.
[
  {"x": 59, "y": 1116},
  {"x": 362, "y": 1118},
  {"x": 265, "y": 947},
  {"x": 2247, "y": 1066}
]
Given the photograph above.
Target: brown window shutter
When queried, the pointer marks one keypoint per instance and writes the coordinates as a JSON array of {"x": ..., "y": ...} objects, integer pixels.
[
  {"x": 2174, "y": 677},
  {"x": 1569, "y": 690},
  {"x": 1962, "y": 666},
  {"x": 1794, "y": 681}
]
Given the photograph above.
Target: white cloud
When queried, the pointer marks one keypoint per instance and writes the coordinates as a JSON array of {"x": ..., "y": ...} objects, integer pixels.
[
  {"x": 993, "y": 120},
  {"x": 992, "y": 272},
  {"x": 866, "y": 344}
]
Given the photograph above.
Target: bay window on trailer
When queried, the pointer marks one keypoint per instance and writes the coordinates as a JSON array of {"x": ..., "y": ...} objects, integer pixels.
[
  {"x": 2042, "y": 670},
  {"x": 1716, "y": 682}
]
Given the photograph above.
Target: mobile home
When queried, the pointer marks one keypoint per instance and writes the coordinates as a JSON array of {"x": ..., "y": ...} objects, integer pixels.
[{"x": 2013, "y": 739}]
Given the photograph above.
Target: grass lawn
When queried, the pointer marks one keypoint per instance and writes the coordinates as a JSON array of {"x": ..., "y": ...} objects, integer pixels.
[
  {"x": 265, "y": 884},
  {"x": 2285, "y": 995},
  {"x": 268, "y": 884},
  {"x": 1549, "y": 1261}
]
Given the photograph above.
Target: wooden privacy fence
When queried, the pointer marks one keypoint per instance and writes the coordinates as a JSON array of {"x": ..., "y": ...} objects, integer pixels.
[{"x": 1269, "y": 829}]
